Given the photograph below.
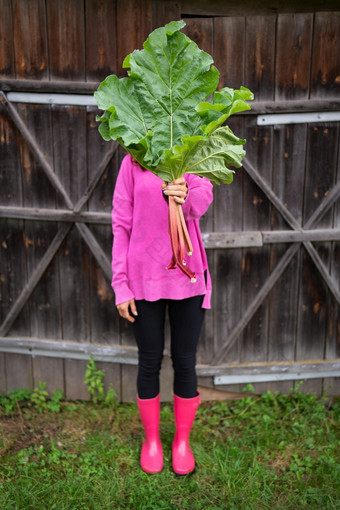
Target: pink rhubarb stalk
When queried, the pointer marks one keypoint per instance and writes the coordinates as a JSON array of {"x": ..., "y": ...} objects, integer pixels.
[{"x": 180, "y": 239}]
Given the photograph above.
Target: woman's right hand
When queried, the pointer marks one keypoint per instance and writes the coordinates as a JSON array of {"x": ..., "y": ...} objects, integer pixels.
[{"x": 124, "y": 310}]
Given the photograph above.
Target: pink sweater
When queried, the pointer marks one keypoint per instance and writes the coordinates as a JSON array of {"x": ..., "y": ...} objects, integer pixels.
[{"x": 141, "y": 245}]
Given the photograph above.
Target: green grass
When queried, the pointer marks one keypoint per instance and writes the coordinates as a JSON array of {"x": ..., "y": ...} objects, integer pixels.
[{"x": 269, "y": 452}]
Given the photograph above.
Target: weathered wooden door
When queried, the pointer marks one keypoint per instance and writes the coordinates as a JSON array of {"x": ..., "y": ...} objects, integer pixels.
[{"x": 273, "y": 236}]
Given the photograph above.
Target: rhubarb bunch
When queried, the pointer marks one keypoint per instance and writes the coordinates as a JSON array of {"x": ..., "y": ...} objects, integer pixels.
[{"x": 161, "y": 116}]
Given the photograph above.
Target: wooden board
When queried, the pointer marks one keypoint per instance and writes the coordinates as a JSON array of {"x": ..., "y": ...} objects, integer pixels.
[
  {"x": 288, "y": 179},
  {"x": 104, "y": 316},
  {"x": 325, "y": 78},
  {"x": 13, "y": 270},
  {"x": 7, "y": 68},
  {"x": 259, "y": 74},
  {"x": 75, "y": 388},
  {"x": 69, "y": 131},
  {"x": 50, "y": 371},
  {"x": 229, "y": 51},
  {"x": 18, "y": 371},
  {"x": 133, "y": 27},
  {"x": 332, "y": 386},
  {"x": 227, "y": 276},
  {"x": 294, "y": 42},
  {"x": 44, "y": 304},
  {"x": 129, "y": 383},
  {"x": 101, "y": 47},
  {"x": 164, "y": 12},
  {"x": 314, "y": 299},
  {"x": 31, "y": 59},
  {"x": 66, "y": 39}
]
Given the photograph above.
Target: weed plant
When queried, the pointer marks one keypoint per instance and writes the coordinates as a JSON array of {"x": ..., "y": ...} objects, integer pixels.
[{"x": 274, "y": 451}]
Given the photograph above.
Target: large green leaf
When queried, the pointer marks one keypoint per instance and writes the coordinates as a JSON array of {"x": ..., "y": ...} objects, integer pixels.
[
  {"x": 160, "y": 113},
  {"x": 206, "y": 156}
]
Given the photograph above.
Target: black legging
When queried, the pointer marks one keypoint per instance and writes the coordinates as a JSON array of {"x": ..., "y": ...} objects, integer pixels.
[{"x": 186, "y": 318}]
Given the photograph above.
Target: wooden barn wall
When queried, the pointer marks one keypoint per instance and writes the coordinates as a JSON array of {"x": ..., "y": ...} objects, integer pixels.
[{"x": 287, "y": 54}]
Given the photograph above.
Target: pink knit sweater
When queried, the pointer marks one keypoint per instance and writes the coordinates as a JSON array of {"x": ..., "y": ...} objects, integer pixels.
[{"x": 141, "y": 245}]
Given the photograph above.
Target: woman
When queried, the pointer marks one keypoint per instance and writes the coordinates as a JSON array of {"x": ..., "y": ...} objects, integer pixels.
[{"x": 145, "y": 288}]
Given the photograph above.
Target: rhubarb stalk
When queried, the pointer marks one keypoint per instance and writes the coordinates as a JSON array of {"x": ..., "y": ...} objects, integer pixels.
[{"x": 180, "y": 239}]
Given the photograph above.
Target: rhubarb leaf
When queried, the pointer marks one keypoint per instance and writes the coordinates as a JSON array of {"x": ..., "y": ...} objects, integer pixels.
[
  {"x": 160, "y": 113},
  {"x": 206, "y": 156}
]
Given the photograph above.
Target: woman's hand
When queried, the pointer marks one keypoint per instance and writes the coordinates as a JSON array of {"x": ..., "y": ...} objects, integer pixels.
[
  {"x": 177, "y": 189},
  {"x": 124, "y": 310}
]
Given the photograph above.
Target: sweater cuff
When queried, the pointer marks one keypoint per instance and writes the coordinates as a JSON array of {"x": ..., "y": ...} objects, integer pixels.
[{"x": 122, "y": 293}]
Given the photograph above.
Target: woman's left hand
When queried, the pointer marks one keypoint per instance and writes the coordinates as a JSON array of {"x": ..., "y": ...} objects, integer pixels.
[{"x": 177, "y": 189}]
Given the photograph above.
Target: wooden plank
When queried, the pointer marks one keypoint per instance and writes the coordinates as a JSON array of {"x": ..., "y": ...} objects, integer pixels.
[
  {"x": 228, "y": 49},
  {"x": 292, "y": 106},
  {"x": 101, "y": 161},
  {"x": 96, "y": 250},
  {"x": 227, "y": 278},
  {"x": 7, "y": 68},
  {"x": 292, "y": 236},
  {"x": 101, "y": 49},
  {"x": 288, "y": 180},
  {"x": 164, "y": 12},
  {"x": 50, "y": 371},
  {"x": 66, "y": 39},
  {"x": 34, "y": 147},
  {"x": 52, "y": 215},
  {"x": 32, "y": 282},
  {"x": 30, "y": 39},
  {"x": 13, "y": 271},
  {"x": 294, "y": 42},
  {"x": 69, "y": 138},
  {"x": 323, "y": 139},
  {"x": 74, "y": 260},
  {"x": 256, "y": 261},
  {"x": 69, "y": 130},
  {"x": 332, "y": 386},
  {"x": 200, "y": 30},
  {"x": 259, "y": 73},
  {"x": 133, "y": 27},
  {"x": 75, "y": 388},
  {"x": 265, "y": 367},
  {"x": 229, "y": 240},
  {"x": 325, "y": 76},
  {"x": 61, "y": 86},
  {"x": 67, "y": 349},
  {"x": 129, "y": 383},
  {"x": 235, "y": 8},
  {"x": 314, "y": 299},
  {"x": 18, "y": 372},
  {"x": 208, "y": 333},
  {"x": 37, "y": 191},
  {"x": 103, "y": 313}
]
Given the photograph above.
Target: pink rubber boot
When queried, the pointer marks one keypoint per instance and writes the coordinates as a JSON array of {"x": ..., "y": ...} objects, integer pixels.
[
  {"x": 183, "y": 461},
  {"x": 152, "y": 455}
]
